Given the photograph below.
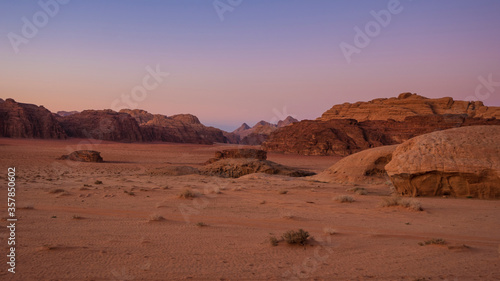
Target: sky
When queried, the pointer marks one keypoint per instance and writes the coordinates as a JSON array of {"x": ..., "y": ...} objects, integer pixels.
[{"x": 235, "y": 61}]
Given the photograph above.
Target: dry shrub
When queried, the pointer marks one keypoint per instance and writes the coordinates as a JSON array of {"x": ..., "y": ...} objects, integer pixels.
[
  {"x": 411, "y": 204},
  {"x": 187, "y": 194},
  {"x": 156, "y": 217},
  {"x": 295, "y": 237},
  {"x": 344, "y": 199}
]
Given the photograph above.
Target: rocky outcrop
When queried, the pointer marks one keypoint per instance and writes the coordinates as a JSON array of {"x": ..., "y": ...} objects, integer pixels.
[
  {"x": 289, "y": 120},
  {"x": 365, "y": 167},
  {"x": 235, "y": 168},
  {"x": 406, "y": 105},
  {"x": 83, "y": 156},
  {"x": 238, "y": 153},
  {"x": 22, "y": 120},
  {"x": 460, "y": 162},
  {"x": 183, "y": 128},
  {"x": 66, "y": 113},
  {"x": 346, "y": 136},
  {"x": 102, "y": 125}
]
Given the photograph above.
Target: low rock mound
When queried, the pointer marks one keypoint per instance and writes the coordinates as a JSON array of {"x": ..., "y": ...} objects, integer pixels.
[
  {"x": 83, "y": 156},
  {"x": 367, "y": 166},
  {"x": 174, "y": 171},
  {"x": 460, "y": 162},
  {"x": 235, "y": 168},
  {"x": 238, "y": 153}
]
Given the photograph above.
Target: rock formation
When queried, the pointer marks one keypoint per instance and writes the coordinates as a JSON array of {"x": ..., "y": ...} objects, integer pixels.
[
  {"x": 235, "y": 168},
  {"x": 22, "y": 120},
  {"x": 260, "y": 131},
  {"x": 346, "y": 136},
  {"x": 365, "y": 167},
  {"x": 83, "y": 156},
  {"x": 405, "y": 105},
  {"x": 460, "y": 162},
  {"x": 102, "y": 125},
  {"x": 66, "y": 113},
  {"x": 238, "y": 153}
]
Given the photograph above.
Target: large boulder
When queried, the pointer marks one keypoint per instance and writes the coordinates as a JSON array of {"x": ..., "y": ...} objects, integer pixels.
[
  {"x": 235, "y": 168},
  {"x": 367, "y": 166},
  {"x": 460, "y": 162},
  {"x": 83, "y": 156}
]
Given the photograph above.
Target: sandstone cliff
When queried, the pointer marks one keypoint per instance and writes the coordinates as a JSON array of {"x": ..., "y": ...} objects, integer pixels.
[
  {"x": 22, "y": 120},
  {"x": 406, "y": 105}
]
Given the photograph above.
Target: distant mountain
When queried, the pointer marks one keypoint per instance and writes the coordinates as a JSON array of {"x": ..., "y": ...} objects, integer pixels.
[
  {"x": 66, "y": 113},
  {"x": 19, "y": 120},
  {"x": 259, "y": 132},
  {"x": 22, "y": 120}
]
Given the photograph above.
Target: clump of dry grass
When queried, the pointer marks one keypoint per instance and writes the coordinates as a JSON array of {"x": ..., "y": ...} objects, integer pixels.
[
  {"x": 283, "y": 192},
  {"x": 433, "y": 241},
  {"x": 201, "y": 224},
  {"x": 98, "y": 182},
  {"x": 358, "y": 190},
  {"x": 187, "y": 194},
  {"x": 296, "y": 237},
  {"x": 77, "y": 217},
  {"x": 131, "y": 193},
  {"x": 411, "y": 204},
  {"x": 156, "y": 217},
  {"x": 57, "y": 190},
  {"x": 344, "y": 199},
  {"x": 274, "y": 241}
]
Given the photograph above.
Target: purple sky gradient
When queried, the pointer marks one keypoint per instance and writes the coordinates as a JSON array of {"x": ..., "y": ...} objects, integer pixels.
[{"x": 263, "y": 61}]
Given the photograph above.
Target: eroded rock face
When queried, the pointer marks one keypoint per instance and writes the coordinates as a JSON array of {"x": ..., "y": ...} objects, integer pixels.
[
  {"x": 346, "y": 136},
  {"x": 257, "y": 134},
  {"x": 235, "y": 168},
  {"x": 102, "y": 125},
  {"x": 83, "y": 156},
  {"x": 367, "y": 166},
  {"x": 238, "y": 153},
  {"x": 22, "y": 120},
  {"x": 406, "y": 105},
  {"x": 460, "y": 162}
]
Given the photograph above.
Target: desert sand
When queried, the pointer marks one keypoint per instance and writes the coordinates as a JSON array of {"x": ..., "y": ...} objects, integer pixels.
[{"x": 70, "y": 227}]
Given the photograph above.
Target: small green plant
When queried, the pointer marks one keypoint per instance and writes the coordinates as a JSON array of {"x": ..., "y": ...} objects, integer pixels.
[
  {"x": 187, "y": 194},
  {"x": 98, "y": 182},
  {"x": 344, "y": 199},
  {"x": 296, "y": 237},
  {"x": 433, "y": 241}
]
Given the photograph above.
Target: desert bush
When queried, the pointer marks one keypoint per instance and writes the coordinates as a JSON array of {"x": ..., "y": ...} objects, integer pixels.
[
  {"x": 201, "y": 224},
  {"x": 187, "y": 194},
  {"x": 274, "y": 241},
  {"x": 296, "y": 237},
  {"x": 283, "y": 191},
  {"x": 433, "y": 241},
  {"x": 77, "y": 217},
  {"x": 403, "y": 202},
  {"x": 329, "y": 231},
  {"x": 344, "y": 199},
  {"x": 98, "y": 182}
]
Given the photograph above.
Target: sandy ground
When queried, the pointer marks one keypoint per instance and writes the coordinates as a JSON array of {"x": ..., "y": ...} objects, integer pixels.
[{"x": 89, "y": 231}]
